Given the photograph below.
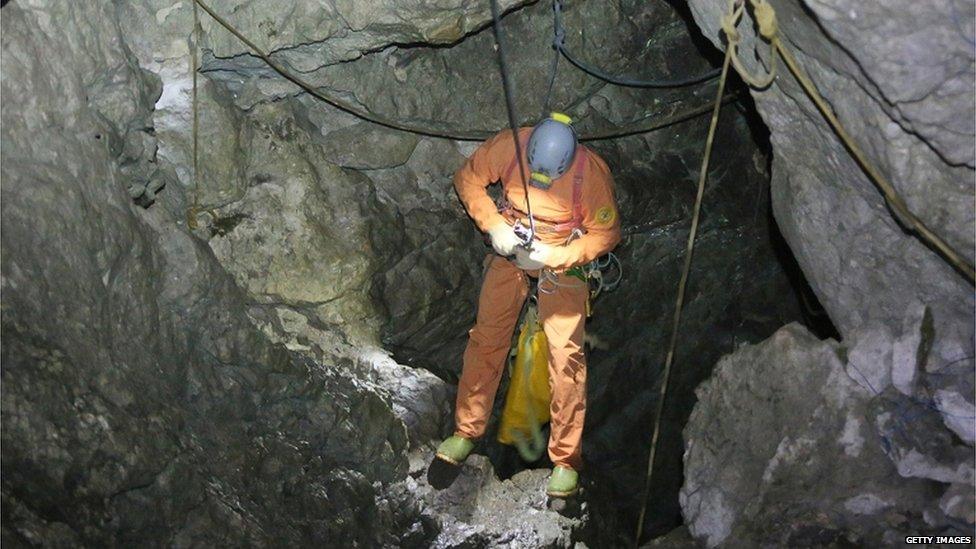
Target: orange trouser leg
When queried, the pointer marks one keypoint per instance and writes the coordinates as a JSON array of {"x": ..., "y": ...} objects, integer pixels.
[
  {"x": 502, "y": 294},
  {"x": 563, "y": 315}
]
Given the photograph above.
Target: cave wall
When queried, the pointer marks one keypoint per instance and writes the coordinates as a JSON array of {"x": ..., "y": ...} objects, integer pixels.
[
  {"x": 899, "y": 75},
  {"x": 884, "y": 448},
  {"x": 139, "y": 402}
]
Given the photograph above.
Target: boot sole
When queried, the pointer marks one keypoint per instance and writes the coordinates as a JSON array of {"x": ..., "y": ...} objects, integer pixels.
[
  {"x": 562, "y": 495},
  {"x": 450, "y": 460}
]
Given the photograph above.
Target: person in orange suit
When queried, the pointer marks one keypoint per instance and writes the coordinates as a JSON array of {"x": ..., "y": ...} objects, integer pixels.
[{"x": 576, "y": 220}]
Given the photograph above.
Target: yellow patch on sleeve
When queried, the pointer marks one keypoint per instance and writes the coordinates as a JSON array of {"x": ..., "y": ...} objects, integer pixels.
[{"x": 606, "y": 215}]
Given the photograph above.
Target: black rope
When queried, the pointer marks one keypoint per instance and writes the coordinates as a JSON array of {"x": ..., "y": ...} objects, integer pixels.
[
  {"x": 632, "y": 128},
  {"x": 510, "y": 107},
  {"x": 552, "y": 68},
  {"x": 559, "y": 42}
]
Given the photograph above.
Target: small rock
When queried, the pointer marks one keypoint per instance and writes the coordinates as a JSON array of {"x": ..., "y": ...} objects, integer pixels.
[
  {"x": 959, "y": 502},
  {"x": 958, "y": 413}
]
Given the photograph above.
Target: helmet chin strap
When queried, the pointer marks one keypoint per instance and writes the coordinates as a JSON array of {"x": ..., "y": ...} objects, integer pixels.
[{"x": 512, "y": 118}]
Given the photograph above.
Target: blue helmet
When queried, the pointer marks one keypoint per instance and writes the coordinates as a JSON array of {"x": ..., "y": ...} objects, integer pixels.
[{"x": 552, "y": 147}]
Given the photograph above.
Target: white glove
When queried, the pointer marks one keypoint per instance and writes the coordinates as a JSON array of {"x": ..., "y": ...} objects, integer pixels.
[
  {"x": 503, "y": 239},
  {"x": 534, "y": 260}
]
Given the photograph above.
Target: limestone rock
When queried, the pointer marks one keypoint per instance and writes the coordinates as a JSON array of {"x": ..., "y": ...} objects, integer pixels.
[
  {"x": 297, "y": 234},
  {"x": 782, "y": 449},
  {"x": 869, "y": 360},
  {"x": 957, "y": 412},
  {"x": 418, "y": 398},
  {"x": 139, "y": 403},
  {"x": 911, "y": 350},
  {"x": 892, "y": 72},
  {"x": 332, "y": 32},
  {"x": 959, "y": 502},
  {"x": 366, "y": 146},
  {"x": 919, "y": 445},
  {"x": 479, "y": 510}
]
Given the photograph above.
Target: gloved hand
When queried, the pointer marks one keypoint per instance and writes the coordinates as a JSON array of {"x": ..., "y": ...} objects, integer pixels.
[
  {"x": 534, "y": 260},
  {"x": 503, "y": 239}
]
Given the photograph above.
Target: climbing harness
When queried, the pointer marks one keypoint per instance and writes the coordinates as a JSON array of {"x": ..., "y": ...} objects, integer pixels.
[
  {"x": 592, "y": 273},
  {"x": 559, "y": 43},
  {"x": 512, "y": 119}
]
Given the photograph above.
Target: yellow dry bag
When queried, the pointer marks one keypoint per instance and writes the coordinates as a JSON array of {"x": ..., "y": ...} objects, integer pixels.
[{"x": 527, "y": 403}]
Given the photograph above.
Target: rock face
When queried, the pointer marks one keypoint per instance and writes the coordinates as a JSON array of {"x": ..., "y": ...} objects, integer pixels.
[
  {"x": 139, "y": 403},
  {"x": 900, "y": 77},
  {"x": 792, "y": 443},
  {"x": 897, "y": 394}
]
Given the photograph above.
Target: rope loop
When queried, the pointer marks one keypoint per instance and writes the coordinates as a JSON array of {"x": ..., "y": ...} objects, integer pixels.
[
  {"x": 729, "y": 22},
  {"x": 765, "y": 17}
]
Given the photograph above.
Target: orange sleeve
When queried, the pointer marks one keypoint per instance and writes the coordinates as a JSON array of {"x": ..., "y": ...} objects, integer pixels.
[
  {"x": 601, "y": 220},
  {"x": 483, "y": 168}
]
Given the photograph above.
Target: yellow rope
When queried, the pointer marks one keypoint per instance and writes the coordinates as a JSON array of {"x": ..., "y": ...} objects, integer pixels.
[
  {"x": 191, "y": 213},
  {"x": 768, "y": 28},
  {"x": 679, "y": 303},
  {"x": 902, "y": 213},
  {"x": 765, "y": 17}
]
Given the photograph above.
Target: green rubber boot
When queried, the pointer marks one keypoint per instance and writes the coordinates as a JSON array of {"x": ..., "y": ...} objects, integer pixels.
[
  {"x": 454, "y": 450},
  {"x": 563, "y": 482}
]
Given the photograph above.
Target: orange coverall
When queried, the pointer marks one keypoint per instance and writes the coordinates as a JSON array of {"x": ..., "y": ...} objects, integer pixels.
[{"x": 504, "y": 290}]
